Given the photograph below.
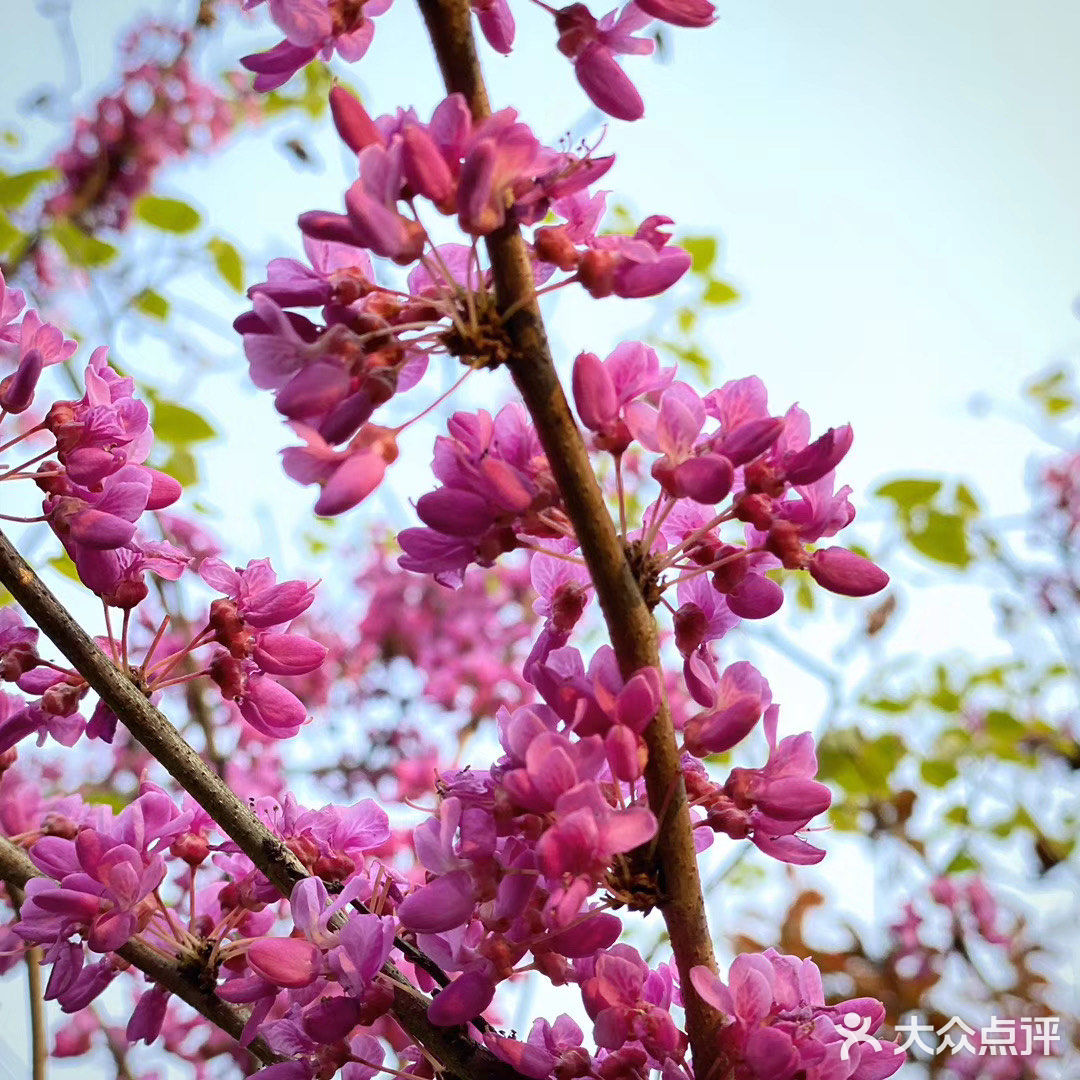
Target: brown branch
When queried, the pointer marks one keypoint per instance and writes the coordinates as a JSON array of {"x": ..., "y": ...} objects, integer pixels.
[
  {"x": 629, "y": 620},
  {"x": 459, "y": 1055},
  {"x": 39, "y": 1051},
  {"x": 16, "y": 870}
]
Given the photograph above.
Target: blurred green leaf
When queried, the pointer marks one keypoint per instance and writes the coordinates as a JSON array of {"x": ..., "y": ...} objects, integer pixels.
[
  {"x": 1052, "y": 393},
  {"x": 907, "y": 494},
  {"x": 860, "y": 766},
  {"x": 720, "y": 292},
  {"x": 889, "y": 705},
  {"x": 169, "y": 215},
  {"x": 9, "y": 235},
  {"x": 179, "y": 425},
  {"x": 967, "y": 506},
  {"x": 318, "y": 80},
  {"x": 181, "y": 467},
  {"x": 690, "y": 355},
  {"x": 943, "y": 538},
  {"x": 702, "y": 250},
  {"x": 18, "y": 187},
  {"x": 81, "y": 248},
  {"x": 63, "y": 563},
  {"x": 228, "y": 261},
  {"x": 151, "y": 303},
  {"x": 961, "y": 863},
  {"x": 112, "y": 799},
  {"x": 937, "y": 773}
]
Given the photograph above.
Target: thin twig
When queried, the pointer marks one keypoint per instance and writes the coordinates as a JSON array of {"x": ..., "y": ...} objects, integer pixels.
[{"x": 39, "y": 1050}]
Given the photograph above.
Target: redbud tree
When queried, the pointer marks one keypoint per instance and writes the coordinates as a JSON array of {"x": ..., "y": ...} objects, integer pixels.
[{"x": 576, "y": 556}]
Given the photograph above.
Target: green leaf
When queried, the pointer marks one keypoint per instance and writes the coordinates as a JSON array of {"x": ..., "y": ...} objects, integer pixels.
[
  {"x": 958, "y": 815},
  {"x": 692, "y": 356},
  {"x": 17, "y": 188},
  {"x": 908, "y": 494},
  {"x": 805, "y": 596},
  {"x": 169, "y": 215},
  {"x": 112, "y": 799},
  {"x": 720, "y": 292},
  {"x": 318, "y": 81},
  {"x": 1052, "y": 393},
  {"x": 685, "y": 319},
  {"x": 967, "y": 506},
  {"x": 179, "y": 425},
  {"x": 943, "y": 538},
  {"x": 702, "y": 250},
  {"x": 937, "y": 773},
  {"x": 64, "y": 564},
  {"x": 151, "y": 303},
  {"x": 1003, "y": 726},
  {"x": 228, "y": 261},
  {"x": 80, "y": 247},
  {"x": 181, "y": 467},
  {"x": 9, "y": 235},
  {"x": 961, "y": 863},
  {"x": 1048, "y": 384},
  {"x": 859, "y": 765},
  {"x": 888, "y": 705}
]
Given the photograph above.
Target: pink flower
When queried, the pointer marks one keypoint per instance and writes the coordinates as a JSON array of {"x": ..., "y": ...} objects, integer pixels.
[
  {"x": 588, "y": 832},
  {"x": 842, "y": 571},
  {"x": 592, "y": 46},
  {"x": 779, "y": 1025},
  {"x": 738, "y": 699},
  {"x": 311, "y": 28}
]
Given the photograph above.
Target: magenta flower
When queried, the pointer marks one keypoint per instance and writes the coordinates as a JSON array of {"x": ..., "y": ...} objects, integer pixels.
[
  {"x": 12, "y": 301},
  {"x": 105, "y": 430},
  {"x": 551, "y": 1047},
  {"x": 346, "y": 477},
  {"x": 592, "y": 46},
  {"x": 103, "y": 883},
  {"x": 780, "y": 1027},
  {"x": 738, "y": 699},
  {"x": 255, "y": 591},
  {"x": 842, "y": 571},
  {"x": 773, "y": 804},
  {"x": 311, "y": 28},
  {"x": 39, "y": 346},
  {"x": 289, "y": 962},
  {"x": 588, "y": 832},
  {"x": 689, "y": 13}
]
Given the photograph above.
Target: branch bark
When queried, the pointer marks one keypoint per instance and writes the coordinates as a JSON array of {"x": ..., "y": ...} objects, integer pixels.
[
  {"x": 629, "y": 621},
  {"x": 16, "y": 870},
  {"x": 460, "y": 1056}
]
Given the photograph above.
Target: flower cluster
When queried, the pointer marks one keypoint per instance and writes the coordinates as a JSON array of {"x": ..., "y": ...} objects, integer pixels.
[
  {"x": 97, "y": 490},
  {"x": 162, "y": 111},
  {"x": 374, "y": 341},
  {"x": 778, "y": 1025},
  {"x": 314, "y": 28}
]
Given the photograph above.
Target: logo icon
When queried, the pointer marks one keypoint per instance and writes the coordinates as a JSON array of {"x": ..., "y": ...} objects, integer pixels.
[{"x": 855, "y": 1029}]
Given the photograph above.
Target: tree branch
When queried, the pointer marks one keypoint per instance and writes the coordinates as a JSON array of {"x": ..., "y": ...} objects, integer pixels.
[
  {"x": 630, "y": 622},
  {"x": 459, "y": 1055},
  {"x": 16, "y": 870}
]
